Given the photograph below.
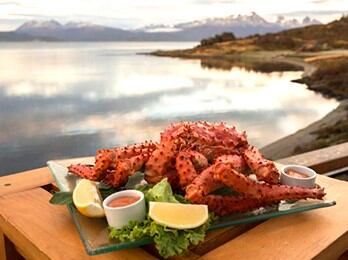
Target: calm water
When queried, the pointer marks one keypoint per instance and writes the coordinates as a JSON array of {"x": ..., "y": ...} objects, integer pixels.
[{"x": 68, "y": 99}]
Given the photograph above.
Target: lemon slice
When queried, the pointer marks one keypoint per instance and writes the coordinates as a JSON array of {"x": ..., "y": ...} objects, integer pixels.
[
  {"x": 179, "y": 216},
  {"x": 87, "y": 199}
]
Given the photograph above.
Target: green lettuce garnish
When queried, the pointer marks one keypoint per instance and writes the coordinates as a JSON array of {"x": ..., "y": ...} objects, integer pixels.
[
  {"x": 169, "y": 242},
  {"x": 161, "y": 192}
]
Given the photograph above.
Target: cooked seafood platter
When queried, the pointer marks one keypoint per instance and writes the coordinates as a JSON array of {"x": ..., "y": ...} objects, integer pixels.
[
  {"x": 199, "y": 176},
  {"x": 198, "y": 158}
]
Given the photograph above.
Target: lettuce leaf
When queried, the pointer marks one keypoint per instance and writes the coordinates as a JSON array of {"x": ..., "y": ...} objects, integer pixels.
[
  {"x": 161, "y": 192},
  {"x": 169, "y": 242}
]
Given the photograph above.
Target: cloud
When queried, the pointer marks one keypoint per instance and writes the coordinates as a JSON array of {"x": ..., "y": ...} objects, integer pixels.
[
  {"x": 319, "y": 1},
  {"x": 138, "y": 13},
  {"x": 314, "y": 13},
  {"x": 31, "y": 15},
  {"x": 216, "y": 1},
  {"x": 10, "y": 3}
]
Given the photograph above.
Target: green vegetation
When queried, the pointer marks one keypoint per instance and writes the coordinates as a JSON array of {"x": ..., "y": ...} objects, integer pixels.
[
  {"x": 277, "y": 42},
  {"x": 311, "y": 38},
  {"x": 333, "y": 35},
  {"x": 330, "y": 78},
  {"x": 224, "y": 37},
  {"x": 168, "y": 241}
]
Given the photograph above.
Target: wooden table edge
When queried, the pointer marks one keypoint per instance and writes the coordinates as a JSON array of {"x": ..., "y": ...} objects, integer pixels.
[
  {"x": 44, "y": 172},
  {"x": 25, "y": 181},
  {"x": 27, "y": 249}
]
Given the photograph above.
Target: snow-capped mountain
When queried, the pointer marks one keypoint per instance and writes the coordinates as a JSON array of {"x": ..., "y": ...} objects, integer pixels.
[
  {"x": 308, "y": 21},
  {"x": 73, "y": 24},
  {"x": 240, "y": 25},
  {"x": 294, "y": 23},
  {"x": 51, "y": 25},
  {"x": 54, "y": 26},
  {"x": 252, "y": 19},
  {"x": 232, "y": 20},
  {"x": 153, "y": 28},
  {"x": 73, "y": 31}
]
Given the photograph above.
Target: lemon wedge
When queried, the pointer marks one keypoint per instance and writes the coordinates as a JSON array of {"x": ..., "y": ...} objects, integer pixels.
[
  {"x": 178, "y": 216},
  {"x": 87, "y": 199}
]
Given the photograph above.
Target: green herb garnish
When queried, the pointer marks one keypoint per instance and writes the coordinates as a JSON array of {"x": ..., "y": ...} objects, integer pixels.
[{"x": 168, "y": 241}]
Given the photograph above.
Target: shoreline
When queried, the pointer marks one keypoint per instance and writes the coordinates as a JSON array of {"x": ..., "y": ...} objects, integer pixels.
[
  {"x": 306, "y": 139},
  {"x": 324, "y": 132}
]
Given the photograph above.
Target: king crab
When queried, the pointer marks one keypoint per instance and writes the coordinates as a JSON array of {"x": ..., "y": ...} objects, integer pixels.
[{"x": 198, "y": 158}]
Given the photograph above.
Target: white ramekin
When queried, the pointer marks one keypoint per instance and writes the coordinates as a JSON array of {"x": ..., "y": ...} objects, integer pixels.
[
  {"x": 308, "y": 182},
  {"x": 120, "y": 216}
]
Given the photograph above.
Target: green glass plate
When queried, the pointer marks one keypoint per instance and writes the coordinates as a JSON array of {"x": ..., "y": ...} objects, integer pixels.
[{"x": 94, "y": 231}]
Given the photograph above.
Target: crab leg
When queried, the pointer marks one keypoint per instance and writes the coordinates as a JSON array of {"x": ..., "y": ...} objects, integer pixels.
[
  {"x": 226, "y": 205},
  {"x": 205, "y": 183},
  {"x": 159, "y": 161},
  {"x": 249, "y": 188},
  {"x": 124, "y": 168},
  {"x": 264, "y": 169},
  {"x": 84, "y": 171},
  {"x": 202, "y": 185},
  {"x": 103, "y": 160},
  {"x": 188, "y": 165},
  {"x": 198, "y": 192},
  {"x": 106, "y": 160},
  {"x": 133, "y": 150}
]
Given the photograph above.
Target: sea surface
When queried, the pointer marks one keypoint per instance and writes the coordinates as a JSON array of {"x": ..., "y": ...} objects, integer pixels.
[{"x": 61, "y": 100}]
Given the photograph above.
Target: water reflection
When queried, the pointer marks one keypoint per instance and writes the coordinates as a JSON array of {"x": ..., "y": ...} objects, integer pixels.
[
  {"x": 249, "y": 65},
  {"x": 68, "y": 99}
]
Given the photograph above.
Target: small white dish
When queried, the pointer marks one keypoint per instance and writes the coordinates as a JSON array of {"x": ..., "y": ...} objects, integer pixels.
[
  {"x": 118, "y": 217},
  {"x": 307, "y": 182}
]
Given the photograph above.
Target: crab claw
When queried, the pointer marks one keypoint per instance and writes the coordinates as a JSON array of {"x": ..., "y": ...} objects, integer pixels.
[{"x": 84, "y": 171}]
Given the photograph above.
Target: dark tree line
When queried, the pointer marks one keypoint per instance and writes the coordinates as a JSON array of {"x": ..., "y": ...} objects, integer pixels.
[{"x": 224, "y": 37}]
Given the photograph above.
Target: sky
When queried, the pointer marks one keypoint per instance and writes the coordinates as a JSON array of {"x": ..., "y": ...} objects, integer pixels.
[{"x": 137, "y": 13}]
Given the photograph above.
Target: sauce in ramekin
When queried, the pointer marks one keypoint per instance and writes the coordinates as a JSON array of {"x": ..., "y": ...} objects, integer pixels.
[
  {"x": 123, "y": 201},
  {"x": 296, "y": 174}
]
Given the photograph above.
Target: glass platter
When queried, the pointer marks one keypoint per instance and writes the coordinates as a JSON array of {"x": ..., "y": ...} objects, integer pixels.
[{"x": 94, "y": 231}]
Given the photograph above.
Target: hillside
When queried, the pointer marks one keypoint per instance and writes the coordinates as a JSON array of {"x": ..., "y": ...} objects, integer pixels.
[
  {"x": 333, "y": 35},
  {"x": 311, "y": 38}
]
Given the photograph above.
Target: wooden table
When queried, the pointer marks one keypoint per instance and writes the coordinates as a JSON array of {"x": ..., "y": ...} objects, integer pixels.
[{"x": 33, "y": 228}]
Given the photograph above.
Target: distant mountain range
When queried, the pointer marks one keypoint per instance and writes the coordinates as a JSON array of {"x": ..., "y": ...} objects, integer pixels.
[{"x": 241, "y": 25}]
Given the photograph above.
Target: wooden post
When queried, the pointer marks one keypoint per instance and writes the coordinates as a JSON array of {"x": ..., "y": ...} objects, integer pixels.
[{"x": 2, "y": 246}]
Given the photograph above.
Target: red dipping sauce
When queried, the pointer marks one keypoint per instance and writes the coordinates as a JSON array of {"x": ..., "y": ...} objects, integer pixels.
[
  {"x": 123, "y": 201},
  {"x": 296, "y": 174}
]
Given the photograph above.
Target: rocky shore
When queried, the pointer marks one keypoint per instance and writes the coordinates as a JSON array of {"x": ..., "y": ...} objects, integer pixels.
[
  {"x": 330, "y": 130},
  {"x": 329, "y": 77}
]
